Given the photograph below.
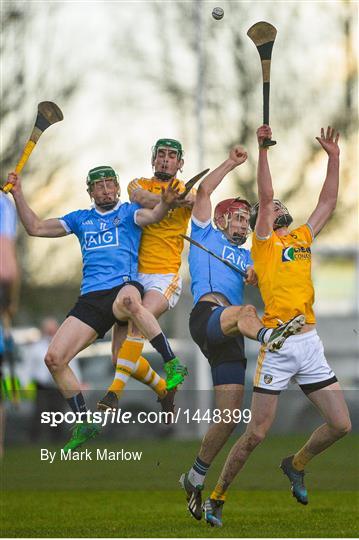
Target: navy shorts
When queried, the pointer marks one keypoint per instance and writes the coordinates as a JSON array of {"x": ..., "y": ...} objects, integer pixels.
[
  {"x": 95, "y": 308},
  {"x": 225, "y": 354}
]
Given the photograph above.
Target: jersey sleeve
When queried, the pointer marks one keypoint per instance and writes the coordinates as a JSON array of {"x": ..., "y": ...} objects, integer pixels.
[
  {"x": 261, "y": 247},
  {"x": 70, "y": 222},
  {"x": 133, "y": 208},
  {"x": 304, "y": 232},
  {"x": 200, "y": 230},
  {"x": 138, "y": 183}
]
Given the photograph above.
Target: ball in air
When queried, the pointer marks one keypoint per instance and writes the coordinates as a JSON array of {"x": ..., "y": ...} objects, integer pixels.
[{"x": 217, "y": 13}]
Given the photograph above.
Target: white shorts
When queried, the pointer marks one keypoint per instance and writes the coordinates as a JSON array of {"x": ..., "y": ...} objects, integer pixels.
[
  {"x": 301, "y": 359},
  {"x": 170, "y": 285}
]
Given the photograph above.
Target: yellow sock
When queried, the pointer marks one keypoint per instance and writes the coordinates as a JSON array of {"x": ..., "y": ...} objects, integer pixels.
[
  {"x": 301, "y": 458},
  {"x": 218, "y": 494},
  {"x": 127, "y": 357},
  {"x": 144, "y": 373}
]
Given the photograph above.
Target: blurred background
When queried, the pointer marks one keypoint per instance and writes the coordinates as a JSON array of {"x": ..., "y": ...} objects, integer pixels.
[{"x": 127, "y": 73}]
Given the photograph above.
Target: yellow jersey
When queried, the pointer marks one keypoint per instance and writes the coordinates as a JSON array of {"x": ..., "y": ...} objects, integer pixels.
[
  {"x": 283, "y": 267},
  {"x": 161, "y": 244}
]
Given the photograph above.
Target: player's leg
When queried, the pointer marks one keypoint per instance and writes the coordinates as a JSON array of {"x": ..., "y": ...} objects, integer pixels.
[
  {"x": 263, "y": 410},
  {"x": 143, "y": 371},
  {"x": 227, "y": 359},
  {"x": 319, "y": 383},
  {"x": 119, "y": 333},
  {"x": 72, "y": 336},
  {"x": 331, "y": 403},
  {"x": 158, "y": 303},
  {"x": 240, "y": 319},
  {"x": 128, "y": 305},
  {"x": 244, "y": 320},
  {"x": 228, "y": 400}
]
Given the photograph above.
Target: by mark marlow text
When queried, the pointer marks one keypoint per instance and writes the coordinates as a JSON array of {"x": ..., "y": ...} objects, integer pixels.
[{"x": 99, "y": 454}]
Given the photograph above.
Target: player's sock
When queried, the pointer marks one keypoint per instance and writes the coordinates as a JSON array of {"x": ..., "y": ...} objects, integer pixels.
[
  {"x": 218, "y": 494},
  {"x": 127, "y": 357},
  {"x": 162, "y": 346},
  {"x": 264, "y": 334},
  {"x": 144, "y": 373},
  {"x": 198, "y": 472},
  {"x": 77, "y": 403},
  {"x": 301, "y": 458}
]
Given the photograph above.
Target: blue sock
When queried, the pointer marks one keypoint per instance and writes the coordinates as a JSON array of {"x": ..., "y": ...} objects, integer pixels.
[
  {"x": 160, "y": 343},
  {"x": 77, "y": 403}
]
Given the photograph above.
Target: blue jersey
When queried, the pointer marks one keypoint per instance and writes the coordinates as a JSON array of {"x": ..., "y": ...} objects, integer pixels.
[
  {"x": 109, "y": 244},
  {"x": 7, "y": 217},
  {"x": 209, "y": 275}
]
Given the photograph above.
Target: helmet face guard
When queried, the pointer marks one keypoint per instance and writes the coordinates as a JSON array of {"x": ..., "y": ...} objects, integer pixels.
[
  {"x": 284, "y": 220},
  {"x": 223, "y": 214},
  {"x": 166, "y": 144},
  {"x": 103, "y": 172}
]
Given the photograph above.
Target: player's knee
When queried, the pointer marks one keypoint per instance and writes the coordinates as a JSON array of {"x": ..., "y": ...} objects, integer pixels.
[
  {"x": 343, "y": 428},
  {"x": 255, "y": 437},
  {"x": 53, "y": 361},
  {"x": 249, "y": 310},
  {"x": 128, "y": 304}
]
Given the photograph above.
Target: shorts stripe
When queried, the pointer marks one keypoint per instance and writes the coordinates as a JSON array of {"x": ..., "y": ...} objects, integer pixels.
[
  {"x": 259, "y": 365},
  {"x": 171, "y": 289}
]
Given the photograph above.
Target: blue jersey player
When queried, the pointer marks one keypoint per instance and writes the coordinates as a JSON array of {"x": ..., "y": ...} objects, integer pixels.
[
  {"x": 109, "y": 234},
  {"x": 218, "y": 320},
  {"x": 9, "y": 279}
]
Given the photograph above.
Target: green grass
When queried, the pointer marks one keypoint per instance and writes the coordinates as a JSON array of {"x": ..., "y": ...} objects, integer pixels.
[{"x": 115, "y": 499}]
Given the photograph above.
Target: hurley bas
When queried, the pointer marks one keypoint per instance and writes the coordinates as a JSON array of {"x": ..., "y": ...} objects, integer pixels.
[{"x": 101, "y": 454}]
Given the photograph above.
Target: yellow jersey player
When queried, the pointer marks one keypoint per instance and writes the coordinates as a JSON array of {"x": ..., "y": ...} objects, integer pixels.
[
  {"x": 159, "y": 262},
  {"x": 282, "y": 262}
]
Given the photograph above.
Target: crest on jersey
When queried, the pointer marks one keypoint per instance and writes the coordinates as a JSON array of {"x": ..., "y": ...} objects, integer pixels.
[
  {"x": 268, "y": 379},
  {"x": 116, "y": 221},
  {"x": 296, "y": 254},
  {"x": 288, "y": 254}
]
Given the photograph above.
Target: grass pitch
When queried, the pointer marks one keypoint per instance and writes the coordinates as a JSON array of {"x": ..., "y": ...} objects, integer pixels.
[{"x": 117, "y": 499}]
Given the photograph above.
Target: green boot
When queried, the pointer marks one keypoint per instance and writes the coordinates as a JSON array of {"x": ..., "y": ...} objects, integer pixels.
[
  {"x": 80, "y": 434},
  {"x": 175, "y": 373}
]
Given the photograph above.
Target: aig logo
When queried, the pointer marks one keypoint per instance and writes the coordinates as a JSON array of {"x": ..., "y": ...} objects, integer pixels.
[
  {"x": 103, "y": 239},
  {"x": 233, "y": 256}
]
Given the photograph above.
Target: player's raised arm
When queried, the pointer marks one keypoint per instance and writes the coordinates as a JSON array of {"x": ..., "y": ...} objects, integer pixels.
[
  {"x": 145, "y": 216},
  {"x": 202, "y": 209},
  {"x": 34, "y": 226},
  {"x": 264, "y": 223},
  {"x": 329, "y": 194},
  {"x": 142, "y": 196}
]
